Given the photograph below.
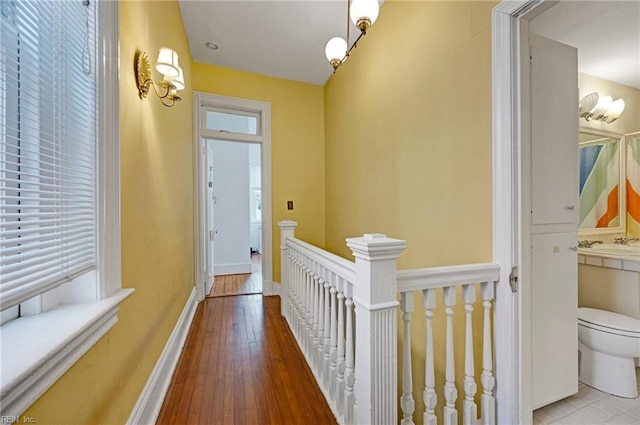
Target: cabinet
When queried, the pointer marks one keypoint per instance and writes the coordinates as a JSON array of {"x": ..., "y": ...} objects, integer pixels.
[
  {"x": 554, "y": 308},
  {"x": 553, "y": 221}
]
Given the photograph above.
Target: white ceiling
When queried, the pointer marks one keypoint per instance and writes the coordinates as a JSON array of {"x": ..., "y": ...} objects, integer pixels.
[
  {"x": 606, "y": 34},
  {"x": 286, "y": 38},
  {"x": 283, "y": 38}
]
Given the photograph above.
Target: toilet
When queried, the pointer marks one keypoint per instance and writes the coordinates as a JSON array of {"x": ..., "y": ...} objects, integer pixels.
[{"x": 608, "y": 344}]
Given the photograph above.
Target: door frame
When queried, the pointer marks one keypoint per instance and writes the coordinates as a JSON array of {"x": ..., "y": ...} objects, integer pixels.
[
  {"x": 201, "y": 102},
  {"x": 511, "y": 112}
]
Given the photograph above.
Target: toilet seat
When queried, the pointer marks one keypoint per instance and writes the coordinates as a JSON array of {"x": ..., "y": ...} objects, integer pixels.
[{"x": 607, "y": 321}]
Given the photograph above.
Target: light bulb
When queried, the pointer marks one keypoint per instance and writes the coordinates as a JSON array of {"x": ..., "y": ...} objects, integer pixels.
[
  {"x": 335, "y": 50},
  {"x": 364, "y": 13}
]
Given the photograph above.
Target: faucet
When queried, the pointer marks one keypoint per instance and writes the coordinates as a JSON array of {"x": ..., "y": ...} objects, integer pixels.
[
  {"x": 587, "y": 244},
  {"x": 624, "y": 241}
]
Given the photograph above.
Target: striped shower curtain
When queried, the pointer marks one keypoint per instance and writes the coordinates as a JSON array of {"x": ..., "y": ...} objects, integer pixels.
[
  {"x": 633, "y": 186},
  {"x": 599, "y": 177}
]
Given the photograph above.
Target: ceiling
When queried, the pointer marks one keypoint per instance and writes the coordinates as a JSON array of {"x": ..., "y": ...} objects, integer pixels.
[
  {"x": 283, "y": 38},
  {"x": 606, "y": 34},
  {"x": 286, "y": 38}
]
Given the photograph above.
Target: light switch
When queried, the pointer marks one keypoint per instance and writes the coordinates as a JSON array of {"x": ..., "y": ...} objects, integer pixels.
[{"x": 289, "y": 205}]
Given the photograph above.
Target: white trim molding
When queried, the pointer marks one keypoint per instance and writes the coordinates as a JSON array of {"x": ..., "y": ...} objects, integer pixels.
[
  {"x": 201, "y": 102},
  {"x": 150, "y": 401},
  {"x": 237, "y": 268},
  {"x": 26, "y": 373},
  {"x": 109, "y": 258},
  {"x": 511, "y": 124},
  {"x": 277, "y": 290}
]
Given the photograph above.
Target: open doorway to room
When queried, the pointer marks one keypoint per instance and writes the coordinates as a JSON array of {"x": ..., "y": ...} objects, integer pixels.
[
  {"x": 234, "y": 211},
  {"x": 520, "y": 156},
  {"x": 233, "y": 229}
]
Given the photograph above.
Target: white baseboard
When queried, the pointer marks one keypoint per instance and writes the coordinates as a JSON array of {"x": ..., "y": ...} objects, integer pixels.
[
  {"x": 150, "y": 401},
  {"x": 276, "y": 289},
  {"x": 238, "y": 268}
]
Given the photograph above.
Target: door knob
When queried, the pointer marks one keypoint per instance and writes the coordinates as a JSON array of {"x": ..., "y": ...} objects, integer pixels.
[
  {"x": 570, "y": 207},
  {"x": 573, "y": 248}
]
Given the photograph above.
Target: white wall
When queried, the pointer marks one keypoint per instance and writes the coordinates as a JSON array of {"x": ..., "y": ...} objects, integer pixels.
[{"x": 231, "y": 209}]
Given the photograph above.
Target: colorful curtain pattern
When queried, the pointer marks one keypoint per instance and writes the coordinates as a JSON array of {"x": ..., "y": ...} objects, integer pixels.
[
  {"x": 599, "y": 181},
  {"x": 633, "y": 186}
]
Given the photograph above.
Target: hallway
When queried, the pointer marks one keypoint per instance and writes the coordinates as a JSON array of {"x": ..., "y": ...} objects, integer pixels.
[{"x": 241, "y": 365}]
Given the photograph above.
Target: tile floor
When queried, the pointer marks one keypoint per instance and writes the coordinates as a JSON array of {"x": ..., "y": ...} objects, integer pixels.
[{"x": 590, "y": 407}]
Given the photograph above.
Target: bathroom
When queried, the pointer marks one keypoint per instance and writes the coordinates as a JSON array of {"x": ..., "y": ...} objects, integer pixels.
[{"x": 608, "y": 251}]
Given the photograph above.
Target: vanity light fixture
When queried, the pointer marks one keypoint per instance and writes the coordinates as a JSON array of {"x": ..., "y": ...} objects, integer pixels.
[
  {"x": 363, "y": 14},
  {"x": 167, "y": 65},
  {"x": 601, "y": 108}
]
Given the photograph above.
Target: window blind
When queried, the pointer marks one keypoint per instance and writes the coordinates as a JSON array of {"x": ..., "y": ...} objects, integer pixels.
[{"x": 47, "y": 145}]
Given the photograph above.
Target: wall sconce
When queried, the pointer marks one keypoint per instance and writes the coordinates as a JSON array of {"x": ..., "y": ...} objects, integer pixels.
[
  {"x": 363, "y": 14},
  {"x": 601, "y": 108},
  {"x": 167, "y": 65}
]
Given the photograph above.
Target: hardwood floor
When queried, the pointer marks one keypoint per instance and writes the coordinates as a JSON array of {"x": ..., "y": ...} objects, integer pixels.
[
  {"x": 241, "y": 365},
  {"x": 239, "y": 284}
]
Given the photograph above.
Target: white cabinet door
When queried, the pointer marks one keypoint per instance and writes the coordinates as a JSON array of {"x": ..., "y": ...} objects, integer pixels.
[
  {"x": 555, "y": 317},
  {"x": 554, "y": 132}
]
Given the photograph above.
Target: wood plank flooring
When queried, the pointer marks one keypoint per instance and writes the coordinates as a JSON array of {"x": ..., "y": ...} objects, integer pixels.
[
  {"x": 236, "y": 284},
  {"x": 241, "y": 365},
  {"x": 239, "y": 284}
]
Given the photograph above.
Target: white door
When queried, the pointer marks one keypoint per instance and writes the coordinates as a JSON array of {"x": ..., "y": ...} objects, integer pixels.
[
  {"x": 551, "y": 246},
  {"x": 211, "y": 230}
]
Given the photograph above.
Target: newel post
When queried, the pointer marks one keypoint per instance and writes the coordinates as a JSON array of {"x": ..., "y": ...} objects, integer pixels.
[
  {"x": 287, "y": 230},
  {"x": 376, "y": 386}
]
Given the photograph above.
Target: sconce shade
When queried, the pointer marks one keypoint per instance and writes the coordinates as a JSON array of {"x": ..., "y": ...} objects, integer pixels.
[
  {"x": 364, "y": 13},
  {"x": 336, "y": 49},
  {"x": 167, "y": 63},
  {"x": 602, "y": 108},
  {"x": 604, "y": 103},
  {"x": 614, "y": 111},
  {"x": 177, "y": 81},
  {"x": 587, "y": 103}
]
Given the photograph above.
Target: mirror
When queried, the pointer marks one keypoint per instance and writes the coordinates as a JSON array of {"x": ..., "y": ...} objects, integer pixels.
[{"x": 601, "y": 184}]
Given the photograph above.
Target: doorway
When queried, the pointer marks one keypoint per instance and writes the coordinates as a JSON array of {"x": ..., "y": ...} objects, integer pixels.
[
  {"x": 234, "y": 212},
  {"x": 512, "y": 141},
  {"x": 236, "y": 123}
]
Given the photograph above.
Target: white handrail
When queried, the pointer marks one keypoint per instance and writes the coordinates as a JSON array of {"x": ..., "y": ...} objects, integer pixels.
[
  {"x": 343, "y": 268},
  {"x": 343, "y": 315},
  {"x": 441, "y": 277}
]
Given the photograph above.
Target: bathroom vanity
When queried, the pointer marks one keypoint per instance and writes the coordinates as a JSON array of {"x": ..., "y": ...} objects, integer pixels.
[{"x": 609, "y": 278}]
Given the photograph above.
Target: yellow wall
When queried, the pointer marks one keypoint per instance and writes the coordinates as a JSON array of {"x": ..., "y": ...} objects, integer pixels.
[
  {"x": 157, "y": 234},
  {"x": 297, "y": 145},
  {"x": 408, "y": 148},
  {"x": 408, "y": 134}
]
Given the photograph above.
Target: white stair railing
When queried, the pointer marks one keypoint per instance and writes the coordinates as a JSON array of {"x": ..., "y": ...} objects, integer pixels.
[
  {"x": 449, "y": 279},
  {"x": 343, "y": 315},
  {"x": 325, "y": 298}
]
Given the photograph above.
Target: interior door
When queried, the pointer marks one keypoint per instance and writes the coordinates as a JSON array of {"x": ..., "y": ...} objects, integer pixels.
[
  {"x": 211, "y": 231},
  {"x": 553, "y": 221}
]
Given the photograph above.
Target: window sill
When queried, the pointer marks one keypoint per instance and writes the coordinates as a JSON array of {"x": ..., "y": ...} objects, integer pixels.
[{"x": 37, "y": 350}]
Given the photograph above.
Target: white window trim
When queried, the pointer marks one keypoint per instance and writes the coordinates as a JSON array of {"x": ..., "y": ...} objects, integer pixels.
[{"x": 77, "y": 327}]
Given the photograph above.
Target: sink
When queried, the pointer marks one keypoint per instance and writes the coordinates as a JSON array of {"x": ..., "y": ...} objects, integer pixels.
[{"x": 614, "y": 249}]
